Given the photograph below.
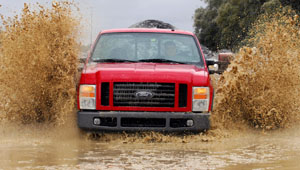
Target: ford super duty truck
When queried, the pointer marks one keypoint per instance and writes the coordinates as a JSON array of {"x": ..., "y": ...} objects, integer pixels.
[{"x": 140, "y": 79}]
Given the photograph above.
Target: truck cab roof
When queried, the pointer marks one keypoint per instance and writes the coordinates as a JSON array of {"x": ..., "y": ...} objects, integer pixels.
[{"x": 154, "y": 30}]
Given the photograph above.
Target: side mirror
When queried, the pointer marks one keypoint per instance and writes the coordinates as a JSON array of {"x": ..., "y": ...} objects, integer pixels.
[
  {"x": 213, "y": 66},
  {"x": 210, "y": 62},
  {"x": 82, "y": 60},
  {"x": 221, "y": 65}
]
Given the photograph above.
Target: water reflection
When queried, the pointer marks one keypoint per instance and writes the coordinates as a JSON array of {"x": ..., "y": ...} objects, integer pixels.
[{"x": 50, "y": 149}]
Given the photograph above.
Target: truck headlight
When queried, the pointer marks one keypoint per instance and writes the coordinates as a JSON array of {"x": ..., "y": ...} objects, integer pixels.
[
  {"x": 201, "y": 99},
  {"x": 87, "y": 96}
]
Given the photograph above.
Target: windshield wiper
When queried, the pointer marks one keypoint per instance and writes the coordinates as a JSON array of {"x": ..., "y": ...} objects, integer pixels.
[
  {"x": 113, "y": 61},
  {"x": 159, "y": 60}
]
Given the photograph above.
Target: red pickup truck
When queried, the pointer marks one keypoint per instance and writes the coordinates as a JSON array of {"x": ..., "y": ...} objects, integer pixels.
[{"x": 139, "y": 79}]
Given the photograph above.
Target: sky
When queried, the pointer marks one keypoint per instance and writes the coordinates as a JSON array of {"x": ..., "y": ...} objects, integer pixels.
[{"x": 108, "y": 14}]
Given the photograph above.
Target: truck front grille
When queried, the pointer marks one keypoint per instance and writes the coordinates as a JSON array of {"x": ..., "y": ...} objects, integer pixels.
[{"x": 144, "y": 94}]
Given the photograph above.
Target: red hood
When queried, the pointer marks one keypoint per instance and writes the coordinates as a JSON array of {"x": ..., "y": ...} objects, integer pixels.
[{"x": 144, "y": 72}]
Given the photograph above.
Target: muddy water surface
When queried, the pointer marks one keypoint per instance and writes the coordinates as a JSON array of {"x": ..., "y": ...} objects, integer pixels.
[{"x": 65, "y": 148}]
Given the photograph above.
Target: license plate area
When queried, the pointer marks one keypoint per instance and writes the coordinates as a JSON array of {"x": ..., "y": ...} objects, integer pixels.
[{"x": 143, "y": 122}]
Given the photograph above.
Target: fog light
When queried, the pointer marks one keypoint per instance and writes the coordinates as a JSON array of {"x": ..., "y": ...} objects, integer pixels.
[
  {"x": 189, "y": 123},
  {"x": 97, "y": 121}
]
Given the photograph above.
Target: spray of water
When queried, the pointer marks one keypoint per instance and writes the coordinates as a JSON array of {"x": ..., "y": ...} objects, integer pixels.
[
  {"x": 38, "y": 61},
  {"x": 261, "y": 87}
]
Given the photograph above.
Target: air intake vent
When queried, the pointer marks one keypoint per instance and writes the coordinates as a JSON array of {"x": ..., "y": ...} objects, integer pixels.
[
  {"x": 144, "y": 94},
  {"x": 182, "y": 95},
  {"x": 104, "y": 94}
]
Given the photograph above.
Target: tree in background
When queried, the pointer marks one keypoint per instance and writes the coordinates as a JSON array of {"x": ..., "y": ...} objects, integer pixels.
[
  {"x": 225, "y": 23},
  {"x": 205, "y": 24},
  {"x": 234, "y": 20},
  {"x": 295, "y": 4}
]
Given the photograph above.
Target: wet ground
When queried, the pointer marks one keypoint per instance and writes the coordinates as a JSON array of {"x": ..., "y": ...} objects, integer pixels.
[{"x": 64, "y": 148}]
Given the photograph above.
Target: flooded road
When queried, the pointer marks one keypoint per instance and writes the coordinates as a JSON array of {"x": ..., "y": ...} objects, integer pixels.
[
  {"x": 253, "y": 91},
  {"x": 64, "y": 148}
]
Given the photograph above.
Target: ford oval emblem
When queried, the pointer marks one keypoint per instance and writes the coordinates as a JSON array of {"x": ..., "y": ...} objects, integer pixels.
[{"x": 144, "y": 95}]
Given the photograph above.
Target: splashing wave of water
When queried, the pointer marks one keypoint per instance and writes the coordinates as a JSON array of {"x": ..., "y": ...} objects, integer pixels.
[
  {"x": 261, "y": 87},
  {"x": 38, "y": 56}
]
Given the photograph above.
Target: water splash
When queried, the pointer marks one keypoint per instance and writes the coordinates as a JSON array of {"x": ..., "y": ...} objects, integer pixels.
[
  {"x": 261, "y": 87},
  {"x": 38, "y": 56}
]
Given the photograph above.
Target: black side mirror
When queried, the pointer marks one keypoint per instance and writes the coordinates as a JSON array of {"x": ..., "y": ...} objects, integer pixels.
[
  {"x": 210, "y": 62},
  {"x": 212, "y": 66},
  {"x": 220, "y": 65}
]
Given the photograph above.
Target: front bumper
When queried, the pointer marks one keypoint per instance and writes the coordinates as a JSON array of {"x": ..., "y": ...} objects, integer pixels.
[{"x": 142, "y": 121}]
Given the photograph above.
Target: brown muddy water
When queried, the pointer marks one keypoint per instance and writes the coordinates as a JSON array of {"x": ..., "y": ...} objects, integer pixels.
[
  {"x": 255, "y": 124},
  {"x": 64, "y": 148}
]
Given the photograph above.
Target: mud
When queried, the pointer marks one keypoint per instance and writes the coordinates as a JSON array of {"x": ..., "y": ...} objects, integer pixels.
[
  {"x": 47, "y": 147},
  {"x": 261, "y": 86},
  {"x": 258, "y": 92},
  {"x": 38, "y": 56}
]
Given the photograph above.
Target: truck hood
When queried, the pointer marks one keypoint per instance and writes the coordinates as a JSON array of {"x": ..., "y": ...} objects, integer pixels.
[{"x": 144, "y": 72}]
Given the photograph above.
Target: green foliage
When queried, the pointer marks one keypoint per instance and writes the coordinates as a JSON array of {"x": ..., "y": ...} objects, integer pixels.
[
  {"x": 205, "y": 24},
  {"x": 295, "y": 4},
  {"x": 270, "y": 6},
  {"x": 225, "y": 23},
  {"x": 208, "y": 34},
  {"x": 234, "y": 19}
]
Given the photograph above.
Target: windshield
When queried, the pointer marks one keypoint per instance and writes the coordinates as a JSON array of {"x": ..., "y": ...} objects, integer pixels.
[{"x": 147, "y": 47}]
